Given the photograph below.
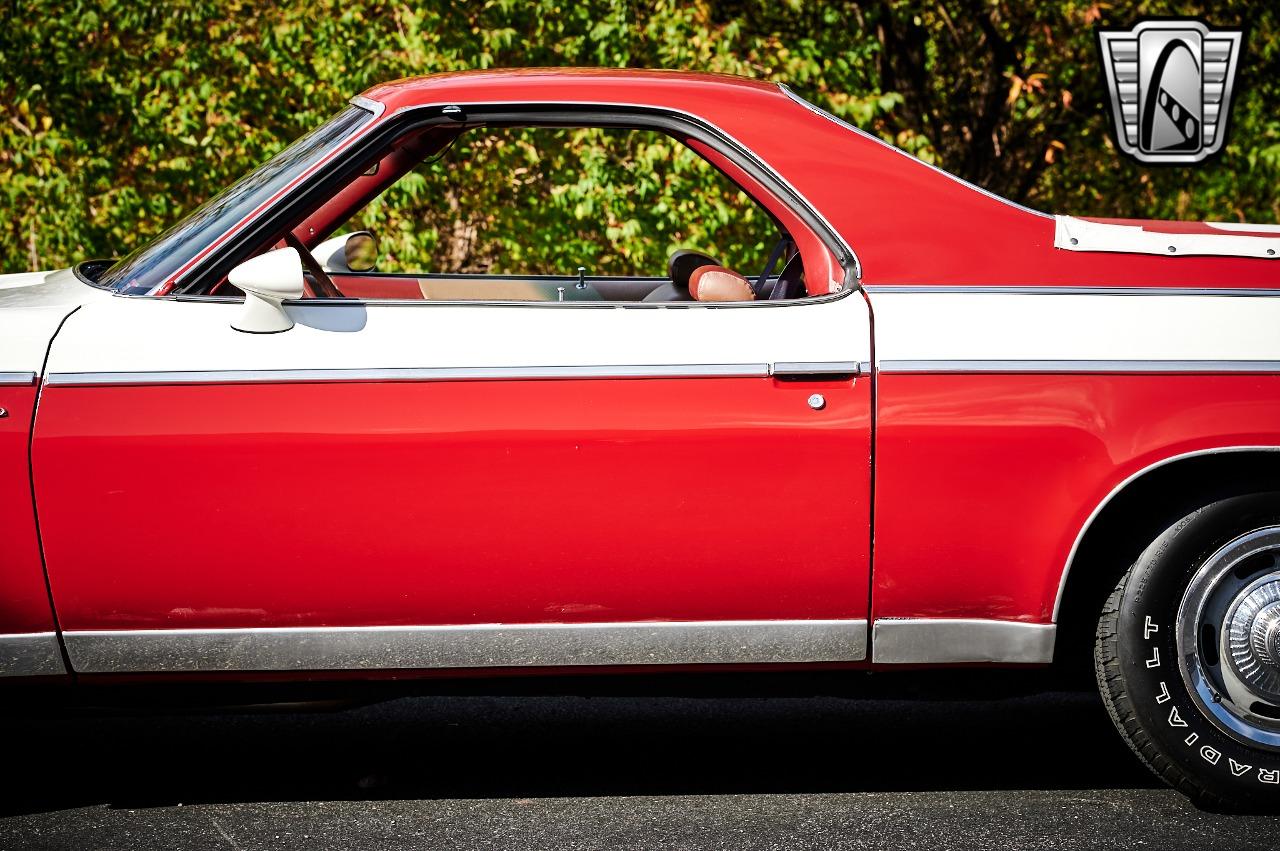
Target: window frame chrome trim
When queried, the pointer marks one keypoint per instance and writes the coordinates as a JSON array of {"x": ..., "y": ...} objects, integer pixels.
[
  {"x": 30, "y": 654},
  {"x": 467, "y": 646},
  {"x": 944, "y": 641},
  {"x": 1072, "y": 367},
  {"x": 17, "y": 379},
  {"x": 173, "y": 282},
  {"x": 658, "y": 115}
]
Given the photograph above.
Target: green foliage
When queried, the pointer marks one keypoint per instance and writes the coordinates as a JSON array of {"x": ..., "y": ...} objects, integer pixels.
[
  {"x": 118, "y": 117},
  {"x": 545, "y": 201}
]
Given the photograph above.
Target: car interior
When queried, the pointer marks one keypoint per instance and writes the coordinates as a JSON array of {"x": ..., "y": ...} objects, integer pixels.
[
  {"x": 692, "y": 276},
  {"x": 348, "y": 265}
]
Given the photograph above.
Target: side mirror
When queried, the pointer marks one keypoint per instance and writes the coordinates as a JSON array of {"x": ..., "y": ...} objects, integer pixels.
[
  {"x": 351, "y": 252},
  {"x": 267, "y": 280}
]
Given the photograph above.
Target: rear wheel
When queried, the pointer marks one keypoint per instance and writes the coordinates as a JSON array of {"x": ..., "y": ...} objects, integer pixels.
[{"x": 1187, "y": 654}]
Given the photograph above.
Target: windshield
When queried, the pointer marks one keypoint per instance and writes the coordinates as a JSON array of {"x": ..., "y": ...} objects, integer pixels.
[{"x": 151, "y": 265}]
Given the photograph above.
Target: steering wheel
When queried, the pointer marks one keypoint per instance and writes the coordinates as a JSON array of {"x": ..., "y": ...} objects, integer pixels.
[{"x": 790, "y": 283}]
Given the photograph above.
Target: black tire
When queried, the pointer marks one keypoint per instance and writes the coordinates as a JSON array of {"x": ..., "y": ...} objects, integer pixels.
[{"x": 1136, "y": 663}]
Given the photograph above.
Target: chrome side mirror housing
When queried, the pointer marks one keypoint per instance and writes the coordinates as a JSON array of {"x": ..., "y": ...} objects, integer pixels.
[
  {"x": 351, "y": 252},
  {"x": 267, "y": 281}
]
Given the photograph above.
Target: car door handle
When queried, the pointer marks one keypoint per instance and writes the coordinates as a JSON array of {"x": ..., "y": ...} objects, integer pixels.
[{"x": 815, "y": 370}]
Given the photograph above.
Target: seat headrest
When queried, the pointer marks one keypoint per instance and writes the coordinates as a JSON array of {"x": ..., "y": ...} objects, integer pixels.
[
  {"x": 683, "y": 263},
  {"x": 716, "y": 283}
]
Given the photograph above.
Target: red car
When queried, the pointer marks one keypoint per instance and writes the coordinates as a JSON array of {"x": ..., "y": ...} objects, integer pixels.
[{"x": 936, "y": 428}]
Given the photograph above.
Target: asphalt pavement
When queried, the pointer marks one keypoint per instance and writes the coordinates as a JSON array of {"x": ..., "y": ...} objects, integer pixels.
[{"x": 901, "y": 768}]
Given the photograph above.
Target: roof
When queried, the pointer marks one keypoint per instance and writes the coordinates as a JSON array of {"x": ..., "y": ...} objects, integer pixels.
[{"x": 603, "y": 85}]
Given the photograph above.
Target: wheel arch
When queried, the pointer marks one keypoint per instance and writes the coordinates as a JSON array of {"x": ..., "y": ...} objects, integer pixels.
[{"x": 1132, "y": 515}]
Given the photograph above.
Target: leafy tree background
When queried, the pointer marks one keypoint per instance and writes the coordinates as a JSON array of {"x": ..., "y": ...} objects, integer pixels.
[
  {"x": 544, "y": 200},
  {"x": 118, "y": 117}
]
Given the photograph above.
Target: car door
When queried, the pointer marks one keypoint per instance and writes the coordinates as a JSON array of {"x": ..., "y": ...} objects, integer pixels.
[{"x": 392, "y": 485}]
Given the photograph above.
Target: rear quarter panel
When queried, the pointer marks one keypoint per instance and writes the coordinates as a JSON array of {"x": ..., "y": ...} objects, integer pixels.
[{"x": 1005, "y": 420}]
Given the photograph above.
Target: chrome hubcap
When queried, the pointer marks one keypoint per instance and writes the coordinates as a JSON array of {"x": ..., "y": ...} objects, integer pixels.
[
  {"x": 1228, "y": 636},
  {"x": 1253, "y": 639}
]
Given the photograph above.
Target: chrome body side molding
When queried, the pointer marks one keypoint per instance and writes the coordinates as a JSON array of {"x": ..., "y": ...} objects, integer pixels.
[
  {"x": 467, "y": 646},
  {"x": 1079, "y": 366},
  {"x": 940, "y": 641},
  {"x": 727, "y": 370},
  {"x": 781, "y": 369},
  {"x": 271, "y": 376},
  {"x": 30, "y": 654},
  {"x": 17, "y": 379},
  {"x": 510, "y": 373}
]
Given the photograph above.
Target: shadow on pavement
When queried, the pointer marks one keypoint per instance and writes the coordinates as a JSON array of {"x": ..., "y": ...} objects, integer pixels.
[{"x": 802, "y": 738}]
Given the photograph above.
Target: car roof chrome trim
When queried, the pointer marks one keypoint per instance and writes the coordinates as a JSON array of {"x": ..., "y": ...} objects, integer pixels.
[
  {"x": 858, "y": 130},
  {"x": 1119, "y": 488},
  {"x": 468, "y": 646},
  {"x": 377, "y": 107},
  {"x": 510, "y": 373},
  {"x": 17, "y": 379},
  {"x": 1078, "y": 366},
  {"x": 943, "y": 289}
]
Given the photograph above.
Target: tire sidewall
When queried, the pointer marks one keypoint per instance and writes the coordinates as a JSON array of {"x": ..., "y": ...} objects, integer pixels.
[{"x": 1148, "y": 653}]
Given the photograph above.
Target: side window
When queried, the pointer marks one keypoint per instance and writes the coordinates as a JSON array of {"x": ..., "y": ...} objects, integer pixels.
[
  {"x": 547, "y": 214},
  {"x": 543, "y": 201}
]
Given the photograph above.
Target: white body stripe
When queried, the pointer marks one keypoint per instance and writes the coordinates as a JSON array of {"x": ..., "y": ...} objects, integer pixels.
[
  {"x": 122, "y": 335},
  {"x": 32, "y": 306},
  {"x": 1109, "y": 330},
  {"x": 24, "y": 339}
]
